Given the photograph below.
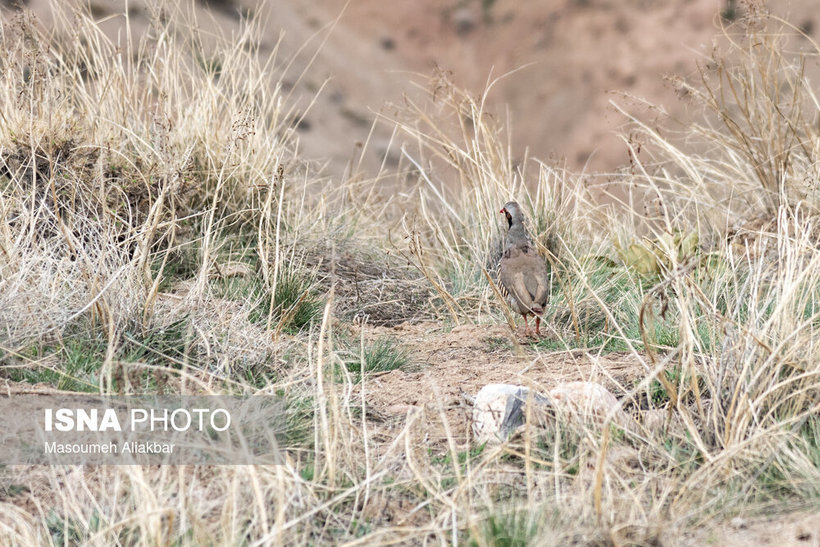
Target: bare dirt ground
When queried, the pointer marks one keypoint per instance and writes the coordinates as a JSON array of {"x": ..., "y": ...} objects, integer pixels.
[
  {"x": 448, "y": 362},
  {"x": 800, "y": 529}
]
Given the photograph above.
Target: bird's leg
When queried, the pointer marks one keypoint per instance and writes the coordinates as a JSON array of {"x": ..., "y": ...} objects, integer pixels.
[
  {"x": 527, "y": 331},
  {"x": 537, "y": 326}
]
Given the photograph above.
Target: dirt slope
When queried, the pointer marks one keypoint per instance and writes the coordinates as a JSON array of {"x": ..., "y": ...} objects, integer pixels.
[{"x": 565, "y": 60}]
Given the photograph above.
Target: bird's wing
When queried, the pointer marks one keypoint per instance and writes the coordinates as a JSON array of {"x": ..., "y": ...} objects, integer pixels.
[
  {"x": 537, "y": 279},
  {"x": 512, "y": 277}
]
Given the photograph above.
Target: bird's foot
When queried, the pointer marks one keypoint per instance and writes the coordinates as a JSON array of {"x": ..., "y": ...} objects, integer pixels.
[{"x": 528, "y": 333}]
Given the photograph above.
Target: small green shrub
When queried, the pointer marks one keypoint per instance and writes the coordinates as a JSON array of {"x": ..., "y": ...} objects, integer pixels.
[
  {"x": 516, "y": 528},
  {"x": 293, "y": 302},
  {"x": 383, "y": 354},
  {"x": 77, "y": 369}
]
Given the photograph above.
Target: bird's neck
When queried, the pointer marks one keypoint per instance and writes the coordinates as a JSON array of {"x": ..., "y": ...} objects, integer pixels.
[{"x": 517, "y": 236}]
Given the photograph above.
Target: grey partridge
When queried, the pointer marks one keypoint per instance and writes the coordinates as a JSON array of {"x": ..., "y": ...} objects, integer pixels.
[{"x": 523, "y": 274}]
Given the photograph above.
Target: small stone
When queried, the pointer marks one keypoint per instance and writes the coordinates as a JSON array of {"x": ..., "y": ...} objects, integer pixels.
[
  {"x": 464, "y": 21},
  {"x": 499, "y": 411},
  {"x": 587, "y": 400}
]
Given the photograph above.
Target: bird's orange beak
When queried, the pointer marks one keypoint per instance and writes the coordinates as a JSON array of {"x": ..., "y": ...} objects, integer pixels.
[{"x": 503, "y": 210}]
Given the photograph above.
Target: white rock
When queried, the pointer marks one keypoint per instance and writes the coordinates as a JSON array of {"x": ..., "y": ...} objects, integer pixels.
[
  {"x": 499, "y": 411},
  {"x": 585, "y": 401}
]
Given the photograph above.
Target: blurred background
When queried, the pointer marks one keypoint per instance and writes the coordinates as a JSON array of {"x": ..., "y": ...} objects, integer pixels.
[{"x": 554, "y": 67}]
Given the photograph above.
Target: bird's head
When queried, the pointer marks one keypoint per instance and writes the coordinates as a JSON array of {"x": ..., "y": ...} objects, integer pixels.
[{"x": 512, "y": 211}]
